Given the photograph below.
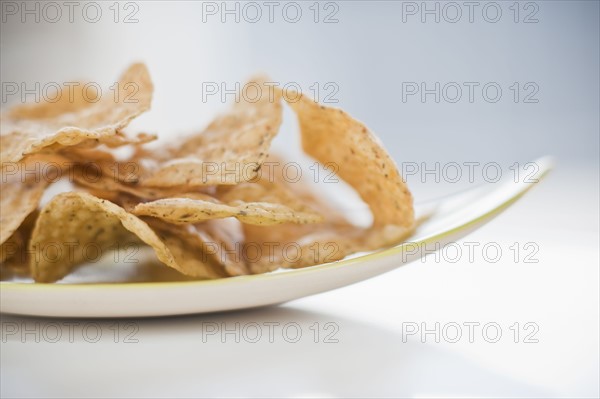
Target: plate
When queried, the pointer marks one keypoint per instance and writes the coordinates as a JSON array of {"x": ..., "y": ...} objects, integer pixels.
[{"x": 442, "y": 222}]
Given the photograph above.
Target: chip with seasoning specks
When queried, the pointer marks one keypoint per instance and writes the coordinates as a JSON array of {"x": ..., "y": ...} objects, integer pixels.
[
  {"x": 203, "y": 205},
  {"x": 77, "y": 117}
]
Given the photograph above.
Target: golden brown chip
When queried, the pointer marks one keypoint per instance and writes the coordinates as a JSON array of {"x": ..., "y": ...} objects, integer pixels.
[
  {"x": 294, "y": 245},
  {"x": 120, "y": 139},
  {"x": 332, "y": 137},
  {"x": 17, "y": 201},
  {"x": 73, "y": 222},
  {"x": 90, "y": 177},
  {"x": 13, "y": 252},
  {"x": 12, "y": 246},
  {"x": 196, "y": 208},
  {"x": 229, "y": 151},
  {"x": 104, "y": 160},
  {"x": 197, "y": 188},
  {"x": 21, "y": 188},
  {"x": 226, "y": 239},
  {"x": 216, "y": 242},
  {"x": 74, "y": 119},
  {"x": 68, "y": 99},
  {"x": 266, "y": 190}
]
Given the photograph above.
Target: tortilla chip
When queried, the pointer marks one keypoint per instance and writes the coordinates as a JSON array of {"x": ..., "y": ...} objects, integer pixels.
[
  {"x": 210, "y": 212},
  {"x": 93, "y": 178},
  {"x": 120, "y": 139},
  {"x": 331, "y": 136},
  {"x": 194, "y": 208},
  {"x": 294, "y": 245},
  {"x": 229, "y": 151},
  {"x": 13, "y": 252},
  {"x": 103, "y": 159},
  {"x": 31, "y": 128},
  {"x": 71, "y": 221},
  {"x": 226, "y": 237},
  {"x": 266, "y": 190},
  {"x": 21, "y": 189},
  {"x": 64, "y": 101},
  {"x": 12, "y": 246},
  {"x": 216, "y": 242}
]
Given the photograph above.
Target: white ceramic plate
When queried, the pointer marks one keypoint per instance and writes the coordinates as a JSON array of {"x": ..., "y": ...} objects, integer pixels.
[{"x": 447, "y": 220}]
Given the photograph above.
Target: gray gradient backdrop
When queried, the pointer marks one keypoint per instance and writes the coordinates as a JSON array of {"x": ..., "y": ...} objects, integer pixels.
[{"x": 373, "y": 48}]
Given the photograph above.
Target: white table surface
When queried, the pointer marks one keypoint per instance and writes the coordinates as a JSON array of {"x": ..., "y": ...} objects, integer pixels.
[{"x": 372, "y": 357}]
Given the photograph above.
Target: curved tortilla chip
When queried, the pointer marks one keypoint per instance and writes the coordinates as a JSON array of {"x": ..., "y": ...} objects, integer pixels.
[
  {"x": 198, "y": 188},
  {"x": 70, "y": 221},
  {"x": 65, "y": 100},
  {"x": 12, "y": 246},
  {"x": 294, "y": 245},
  {"x": 95, "y": 179},
  {"x": 13, "y": 252},
  {"x": 215, "y": 242},
  {"x": 198, "y": 209},
  {"x": 120, "y": 139},
  {"x": 331, "y": 136},
  {"x": 32, "y": 127},
  {"x": 229, "y": 151},
  {"x": 268, "y": 192},
  {"x": 20, "y": 194},
  {"x": 17, "y": 201}
]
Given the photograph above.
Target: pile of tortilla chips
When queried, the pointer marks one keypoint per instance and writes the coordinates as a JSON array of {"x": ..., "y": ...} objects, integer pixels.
[{"x": 202, "y": 204}]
